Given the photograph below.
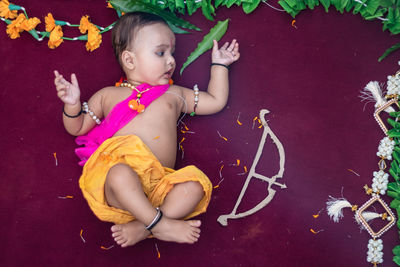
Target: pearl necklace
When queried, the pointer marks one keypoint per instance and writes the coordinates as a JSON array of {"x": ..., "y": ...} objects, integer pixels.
[{"x": 135, "y": 103}]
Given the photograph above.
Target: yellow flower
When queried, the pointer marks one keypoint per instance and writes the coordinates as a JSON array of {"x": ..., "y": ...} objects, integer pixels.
[
  {"x": 5, "y": 11},
  {"x": 50, "y": 22},
  {"x": 15, "y": 28},
  {"x": 55, "y": 37},
  {"x": 94, "y": 38},
  {"x": 84, "y": 24},
  {"x": 30, "y": 24}
]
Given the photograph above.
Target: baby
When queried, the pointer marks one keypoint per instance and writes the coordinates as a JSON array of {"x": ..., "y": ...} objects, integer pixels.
[{"x": 129, "y": 136}]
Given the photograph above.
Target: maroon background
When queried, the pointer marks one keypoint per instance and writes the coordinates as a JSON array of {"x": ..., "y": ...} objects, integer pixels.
[{"x": 309, "y": 78}]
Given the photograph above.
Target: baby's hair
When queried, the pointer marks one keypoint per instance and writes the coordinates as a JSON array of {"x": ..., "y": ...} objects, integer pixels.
[{"x": 126, "y": 28}]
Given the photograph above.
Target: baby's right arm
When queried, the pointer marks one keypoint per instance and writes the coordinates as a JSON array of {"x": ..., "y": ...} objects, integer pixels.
[{"x": 75, "y": 122}]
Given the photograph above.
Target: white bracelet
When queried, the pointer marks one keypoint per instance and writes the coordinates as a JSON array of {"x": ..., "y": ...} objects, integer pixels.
[
  {"x": 196, "y": 99},
  {"x": 91, "y": 113}
]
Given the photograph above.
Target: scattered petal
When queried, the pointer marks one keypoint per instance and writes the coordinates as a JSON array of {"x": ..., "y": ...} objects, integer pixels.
[
  {"x": 55, "y": 157},
  {"x": 106, "y": 248},
  {"x": 226, "y": 139},
  {"x": 158, "y": 252},
  {"x": 293, "y": 22},
  {"x": 316, "y": 232},
  {"x": 80, "y": 234},
  {"x": 350, "y": 170}
]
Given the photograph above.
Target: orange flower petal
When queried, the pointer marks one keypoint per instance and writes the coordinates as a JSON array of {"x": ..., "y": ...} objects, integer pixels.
[
  {"x": 50, "y": 22},
  {"x": 55, "y": 37}
]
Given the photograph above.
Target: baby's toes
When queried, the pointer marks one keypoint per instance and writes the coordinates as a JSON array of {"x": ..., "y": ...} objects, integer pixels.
[{"x": 116, "y": 228}]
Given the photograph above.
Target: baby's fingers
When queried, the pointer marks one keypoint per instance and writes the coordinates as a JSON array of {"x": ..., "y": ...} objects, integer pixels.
[
  {"x": 215, "y": 46},
  {"x": 224, "y": 46},
  {"x": 232, "y": 45},
  {"x": 61, "y": 93},
  {"x": 74, "y": 80}
]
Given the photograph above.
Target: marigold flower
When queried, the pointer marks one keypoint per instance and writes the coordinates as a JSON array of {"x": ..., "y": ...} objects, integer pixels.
[
  {"x": 94, "y": 38},
  {"x": 84, "y": 25},
  {"x": 55, "y": 37},
  {"x": 5, "y": 11},
  {"x": 30, "y": 24},
  {"x": 14, "y": 29},
  {"x": 50, "y": 22}
]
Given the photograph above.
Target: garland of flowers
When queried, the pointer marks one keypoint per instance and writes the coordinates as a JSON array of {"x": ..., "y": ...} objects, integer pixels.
[
  {"x": 20, "y": 22},
  {"x": 388, "y": 11}
]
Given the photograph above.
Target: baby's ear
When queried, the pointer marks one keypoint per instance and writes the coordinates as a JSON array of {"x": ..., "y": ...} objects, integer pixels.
[{"x": 128, "y": 60}]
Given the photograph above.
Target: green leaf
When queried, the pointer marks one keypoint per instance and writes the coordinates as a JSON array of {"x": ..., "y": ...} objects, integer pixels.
[
  {"x": 230, "y": 3},
  {"x": 288, "y": 9},
  {"x": 392, "y": 194},
  {"x": 389, "y": 51},
  {"x": 137, "y": 5},
  {"x": 396, "y": 156},
  {"x": 394, "y": 133},
  {"x": 326, "y": 4},
  {"x": 190, "y": 7},
  {"x": 396, "y": 260},
  {"x": 248, "y": 8},
  {"x": 14, "y": 7},
  {"x": 350, "y": 5},
  {"x": 207, "y": 9},
  {"x": 176, "y": 29},
  {"x": 311, "y": 3},
  {"x": 393, "y": 172},
  {"x": 179, "y": 3},
  {"x": 386, "y": 3},
  {"x": 393, "y": 123},
  {"x": 215, "y": 33},
  {"x": 394, "y": 114},
  {"x": 372, "y": 6},
  {"x": 396, "y": 250},
  {"x": 217, "y": 3},
  {"x": 394, "y": 204},
  {"x": 291, "y": 3},
  {"x": 358, "y": 7},
  {"x": 393, "y": 186}
]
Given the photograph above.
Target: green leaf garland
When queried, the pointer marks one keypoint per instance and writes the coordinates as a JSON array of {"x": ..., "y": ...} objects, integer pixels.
[{"x": 138, "y": 5}]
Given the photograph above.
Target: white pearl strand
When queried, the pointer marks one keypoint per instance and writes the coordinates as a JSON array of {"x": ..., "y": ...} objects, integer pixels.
[
  {"x": 375, "y": 254},
  {"x": 385, "y": 148},
  {"x": 91, "y": 113},
  {"x": 380, "y": 182}
]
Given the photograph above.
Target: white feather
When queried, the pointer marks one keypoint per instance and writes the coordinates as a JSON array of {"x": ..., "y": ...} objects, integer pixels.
[
  {"x": 335, "y": 206},
  {"x": 372, "y": 91}
]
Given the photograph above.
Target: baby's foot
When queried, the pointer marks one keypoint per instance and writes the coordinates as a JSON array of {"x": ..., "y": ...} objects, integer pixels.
[
  {"x": 129, "y": 234},
  {"x": 177, "y": 230}
]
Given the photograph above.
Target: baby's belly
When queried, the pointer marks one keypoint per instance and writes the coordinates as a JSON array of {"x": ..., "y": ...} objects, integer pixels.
[{"x": 160, "y": 138}]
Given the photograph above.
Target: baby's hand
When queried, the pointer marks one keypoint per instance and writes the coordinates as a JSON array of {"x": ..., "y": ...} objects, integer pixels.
[
  {"x": 68, "y": 92},
  {"x": 227, "y": 54}
]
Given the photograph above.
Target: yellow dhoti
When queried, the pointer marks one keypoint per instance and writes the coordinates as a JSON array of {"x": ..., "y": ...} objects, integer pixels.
[{"x": 156, "y": 180}]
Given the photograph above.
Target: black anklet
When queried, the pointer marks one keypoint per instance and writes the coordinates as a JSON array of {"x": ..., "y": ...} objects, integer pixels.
[{"x": 156, "y": 220}]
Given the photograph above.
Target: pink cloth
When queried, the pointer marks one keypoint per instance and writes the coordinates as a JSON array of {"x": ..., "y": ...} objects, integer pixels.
[{"x": 119, "y": 116}]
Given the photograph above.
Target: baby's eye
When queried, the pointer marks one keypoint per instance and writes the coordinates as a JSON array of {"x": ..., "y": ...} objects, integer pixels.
[{"x": 160, "y": 53}]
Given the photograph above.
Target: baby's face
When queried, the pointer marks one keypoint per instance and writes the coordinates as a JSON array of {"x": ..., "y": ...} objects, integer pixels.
[{"x": 153, "y": 48}]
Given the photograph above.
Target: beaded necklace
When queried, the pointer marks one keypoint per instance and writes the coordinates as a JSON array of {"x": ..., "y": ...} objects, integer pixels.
[{"x": 135, "y": 103}]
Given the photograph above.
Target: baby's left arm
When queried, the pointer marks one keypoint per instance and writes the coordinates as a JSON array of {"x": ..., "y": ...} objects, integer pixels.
[{"x": 216, "y": 97}]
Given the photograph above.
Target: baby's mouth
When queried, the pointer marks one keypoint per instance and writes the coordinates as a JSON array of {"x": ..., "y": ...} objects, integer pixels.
[{"x": 169, "y": 73}]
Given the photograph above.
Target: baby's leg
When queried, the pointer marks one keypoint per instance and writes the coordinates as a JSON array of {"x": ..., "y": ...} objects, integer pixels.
[
  {"x": 123, "y": 190},
  {"x": 182, "y": 199}
]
